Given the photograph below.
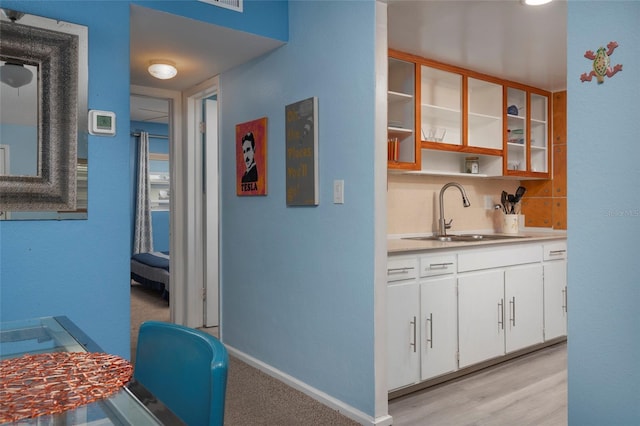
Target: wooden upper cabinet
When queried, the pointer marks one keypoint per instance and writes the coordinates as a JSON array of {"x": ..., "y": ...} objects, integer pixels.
[{"x": 440, "y": 114}]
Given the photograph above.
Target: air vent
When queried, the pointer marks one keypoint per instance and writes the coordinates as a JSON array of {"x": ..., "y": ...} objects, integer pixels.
[{"x": 228, "y": 4}]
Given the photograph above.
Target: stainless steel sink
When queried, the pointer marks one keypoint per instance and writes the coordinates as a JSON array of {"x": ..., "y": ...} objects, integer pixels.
[{"x": 467, "y": 237}]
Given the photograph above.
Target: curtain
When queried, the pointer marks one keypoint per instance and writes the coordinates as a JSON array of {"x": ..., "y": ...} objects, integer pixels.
[{"x": 143, "y": 238}]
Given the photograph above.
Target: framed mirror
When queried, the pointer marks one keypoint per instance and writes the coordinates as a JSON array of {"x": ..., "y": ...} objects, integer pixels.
[{"x": 43, "y": 125}]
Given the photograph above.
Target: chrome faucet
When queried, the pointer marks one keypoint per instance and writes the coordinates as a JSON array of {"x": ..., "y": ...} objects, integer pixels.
[{"x": 443, "y": 225}]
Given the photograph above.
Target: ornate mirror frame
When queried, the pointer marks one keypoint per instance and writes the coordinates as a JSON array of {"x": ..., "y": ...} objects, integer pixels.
[{"x": 59, "y": 51}]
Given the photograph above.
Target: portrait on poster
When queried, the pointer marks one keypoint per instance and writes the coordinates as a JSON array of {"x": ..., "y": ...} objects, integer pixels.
[{"x": 251, "y": 157}]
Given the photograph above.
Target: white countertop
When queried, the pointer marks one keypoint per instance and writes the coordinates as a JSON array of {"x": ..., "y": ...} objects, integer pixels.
[{"x": 399, "y": 244}]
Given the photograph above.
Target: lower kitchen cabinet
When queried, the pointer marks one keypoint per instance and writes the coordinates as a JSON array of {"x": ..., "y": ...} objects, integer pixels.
[
  {"x": 480, "y": 316},
  {"x": 555, "y": 290},
  {"x": 403, "y": 353},
  {"x": 439, "y": 313},
  {"x": 500, "y": 311},
  {"x": 523, "y": 300},
  {"x": 448, "y": 310}
]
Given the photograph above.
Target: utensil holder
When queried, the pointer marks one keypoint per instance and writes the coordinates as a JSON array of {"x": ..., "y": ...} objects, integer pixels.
[{"x": 510, "y": 223}]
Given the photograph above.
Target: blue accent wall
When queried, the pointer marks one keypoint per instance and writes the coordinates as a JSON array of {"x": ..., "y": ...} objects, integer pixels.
[
  {"x": 80, "y": 268},
  {"x": 297, "y": 283},
  {"x": 604, "y": 217}
]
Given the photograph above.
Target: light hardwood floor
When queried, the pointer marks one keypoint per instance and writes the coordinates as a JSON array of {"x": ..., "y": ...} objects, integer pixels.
[{"x": 530, "y": 390}]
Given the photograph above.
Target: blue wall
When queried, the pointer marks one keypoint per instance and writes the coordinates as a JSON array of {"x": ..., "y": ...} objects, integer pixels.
[
  {"x": 81, "y": 268},
  {"x": 297, "y": 283},
  {"x": 604, "y": 218},
  {"x": 159, "y": 219}
]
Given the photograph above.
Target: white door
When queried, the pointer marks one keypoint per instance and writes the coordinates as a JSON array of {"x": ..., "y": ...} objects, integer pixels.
[
  {"x": 555, "y": 299},
  {"x": 439, "y": 312},
  {"x": 523, "y": 306},
  {"x": 210, "y": 190},
  {"x": 403, "y": 334},
  {"x": 480, "y": 316}
]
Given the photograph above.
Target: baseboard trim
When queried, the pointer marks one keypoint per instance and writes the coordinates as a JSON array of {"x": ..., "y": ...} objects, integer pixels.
[{"x": 320, "y": 396}]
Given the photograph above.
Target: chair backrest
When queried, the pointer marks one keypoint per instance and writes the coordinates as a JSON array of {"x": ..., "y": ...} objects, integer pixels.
[{"x": 184, "y": 368}]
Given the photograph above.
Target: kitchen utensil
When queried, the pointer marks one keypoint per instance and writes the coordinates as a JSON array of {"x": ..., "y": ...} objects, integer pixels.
[
  {"x": 503, "y": 201},
  {"x": 520, "y": 192},
  {"x": 512, "y": 202}
]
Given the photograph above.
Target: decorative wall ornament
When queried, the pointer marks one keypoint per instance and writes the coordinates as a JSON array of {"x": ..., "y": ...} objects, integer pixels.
[
  {"x": 601, "y": 64},
  {"x": 251, "y": 157},
  {"x": 301, "y": 127}
]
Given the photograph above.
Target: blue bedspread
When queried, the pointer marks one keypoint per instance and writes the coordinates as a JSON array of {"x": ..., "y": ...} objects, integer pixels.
[{"x": 156, "y": 259}]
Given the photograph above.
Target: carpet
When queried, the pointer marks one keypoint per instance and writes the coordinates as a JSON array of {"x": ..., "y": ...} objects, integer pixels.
[{"x": 253, "y": 398}]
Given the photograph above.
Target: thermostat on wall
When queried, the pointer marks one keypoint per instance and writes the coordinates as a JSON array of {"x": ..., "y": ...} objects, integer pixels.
[{"x": 102, "y": 123}]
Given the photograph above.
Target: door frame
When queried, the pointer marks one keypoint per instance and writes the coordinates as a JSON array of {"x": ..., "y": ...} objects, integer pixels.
[
  {"x": 191, "y": 224},
  {"x": 176, "y": 305}
]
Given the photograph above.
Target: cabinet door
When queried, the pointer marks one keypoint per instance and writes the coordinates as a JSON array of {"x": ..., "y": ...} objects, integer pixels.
[
  {"x": 403, "y": 352},
  {"x": 401, "y": 139},
  {"x": 438, "y": 309},
  {"x": 555, "y": 299},
  {"x": 523, "y": 307},
  {"x": 480, "y": 316},
  {"x": 484, "y": 119},
  {"x": 440, "y": 106}
]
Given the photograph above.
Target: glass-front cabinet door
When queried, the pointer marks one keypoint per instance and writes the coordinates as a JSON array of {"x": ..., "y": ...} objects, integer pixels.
[
  {"x": 516, "y": 152},
  {"x": 441, "y": 106},
  {"x": 539, "y": 143},
  {"x": 527, "y": 133},
  {"x": 401, "y": 139},
  {"x": 484, "y": 119}
]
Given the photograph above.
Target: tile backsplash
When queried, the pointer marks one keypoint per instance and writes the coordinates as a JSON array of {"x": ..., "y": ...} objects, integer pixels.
[{"x": 413, "y": 203}]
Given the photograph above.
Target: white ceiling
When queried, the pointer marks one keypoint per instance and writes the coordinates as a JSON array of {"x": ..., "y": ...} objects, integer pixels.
[{"x": 502, "y": 38}]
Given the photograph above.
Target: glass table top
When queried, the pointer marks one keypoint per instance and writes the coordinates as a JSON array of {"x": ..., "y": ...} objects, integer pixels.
[{"x": 129, "y": 406}]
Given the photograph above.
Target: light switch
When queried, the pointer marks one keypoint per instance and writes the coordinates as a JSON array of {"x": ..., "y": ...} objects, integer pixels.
[{"x": 338, "y": 191}]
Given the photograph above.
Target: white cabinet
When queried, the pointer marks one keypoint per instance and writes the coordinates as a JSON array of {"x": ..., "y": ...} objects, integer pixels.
[
  {"x": 403, "y": 313},
  {"x": 439, "y": 315},
  {"x": 555, "y": 290},
  {"x": 480, "y": 316},
  {"x": 448, "y": 310},
  {"x": 499, "y": 301},
  {"x": 523, "y": 303}
]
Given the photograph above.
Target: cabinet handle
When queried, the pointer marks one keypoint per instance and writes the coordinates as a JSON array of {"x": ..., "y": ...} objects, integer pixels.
[
  {"x": 512, "y": 302},
  {"x": 413, "y": 323},
  {"x": 564, "y": 299},
  {"x": 501, "y": 314},
  {"x": 430, "y": 328},
  {"x": 440, "y": 265},
  {"x": 556, "y": 252},
  {"x": 398, "y": 271}
]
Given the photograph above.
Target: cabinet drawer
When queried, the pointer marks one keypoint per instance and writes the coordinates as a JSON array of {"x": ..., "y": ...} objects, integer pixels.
[
  {"x": 402, "y": 269},
  {"x": 431, "y": 266},
  {"x": 478, "y": 259},
  {"x": 555, "y": 251}
]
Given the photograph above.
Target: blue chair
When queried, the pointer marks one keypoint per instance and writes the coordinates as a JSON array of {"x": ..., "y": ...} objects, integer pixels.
[{"x": 184, "y": 368}]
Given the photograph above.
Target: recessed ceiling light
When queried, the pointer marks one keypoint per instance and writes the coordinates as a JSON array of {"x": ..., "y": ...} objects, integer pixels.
[
  {"x": 163, "y": 69},
  {"x": 535, "y": 2}
]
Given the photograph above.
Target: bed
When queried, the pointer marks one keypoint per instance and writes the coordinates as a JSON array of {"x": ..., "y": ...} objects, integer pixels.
[{"x": 152, "y": 270}]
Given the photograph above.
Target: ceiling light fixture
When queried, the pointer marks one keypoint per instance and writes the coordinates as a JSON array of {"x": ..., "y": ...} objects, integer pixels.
[
  {"x": 535, "y": 2},
  {"x": 163, "y": 69},
  {"x": 15, "y": 75}
]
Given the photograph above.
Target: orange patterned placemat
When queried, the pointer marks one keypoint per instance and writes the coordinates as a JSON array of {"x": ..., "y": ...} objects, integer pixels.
[{"x": 50, "y": 383}]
